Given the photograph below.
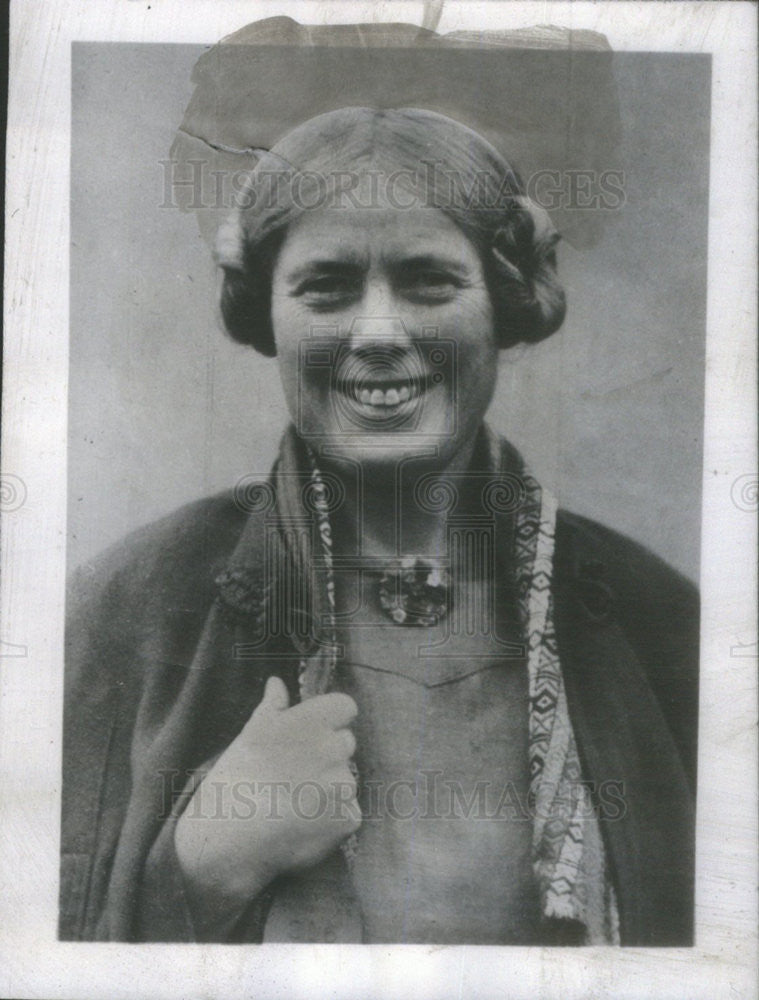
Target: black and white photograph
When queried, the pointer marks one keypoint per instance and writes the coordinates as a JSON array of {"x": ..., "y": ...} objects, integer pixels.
[{"x": 393, "y": 593}]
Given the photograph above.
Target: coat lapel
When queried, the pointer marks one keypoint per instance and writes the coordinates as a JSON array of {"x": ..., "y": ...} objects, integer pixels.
[
  {"x": 638, "y": 783},
  {"x": 191, "y": 711}
]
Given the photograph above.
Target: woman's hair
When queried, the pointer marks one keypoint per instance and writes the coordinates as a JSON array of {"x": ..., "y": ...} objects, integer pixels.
[{"x": 412, "y": 157}]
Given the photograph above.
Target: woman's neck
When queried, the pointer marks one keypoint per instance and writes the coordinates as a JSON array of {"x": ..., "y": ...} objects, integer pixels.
[{"x": 398, "y": 509}]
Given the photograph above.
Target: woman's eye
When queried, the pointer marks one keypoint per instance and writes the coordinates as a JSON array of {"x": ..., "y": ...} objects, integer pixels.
[
  {"x": 429, "y": 285},
  {"x": 327, "y": 290}
]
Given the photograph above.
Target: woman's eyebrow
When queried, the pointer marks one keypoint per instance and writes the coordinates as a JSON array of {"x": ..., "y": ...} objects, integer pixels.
[
  {"x": 326, "y": 265},
  {"x": 432, "y": 261},
  {"x": 355, "y": 265}
]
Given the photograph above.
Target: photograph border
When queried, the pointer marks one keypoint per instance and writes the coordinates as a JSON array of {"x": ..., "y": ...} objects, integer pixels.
[{"x": 35, "y": 379}]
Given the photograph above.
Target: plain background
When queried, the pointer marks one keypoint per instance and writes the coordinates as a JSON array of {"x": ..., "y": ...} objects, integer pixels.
[{"x": 163, "y": 408}]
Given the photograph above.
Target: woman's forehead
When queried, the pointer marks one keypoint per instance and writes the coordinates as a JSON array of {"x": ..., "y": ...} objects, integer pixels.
[{"x": 363, "y": 235}]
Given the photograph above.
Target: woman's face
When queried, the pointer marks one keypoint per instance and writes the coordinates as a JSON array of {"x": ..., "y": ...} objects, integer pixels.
[{"x": 384, "y": 332}]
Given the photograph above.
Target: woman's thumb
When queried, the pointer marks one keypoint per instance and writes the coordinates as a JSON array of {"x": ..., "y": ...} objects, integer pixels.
[{"x": 275, "y": 696}]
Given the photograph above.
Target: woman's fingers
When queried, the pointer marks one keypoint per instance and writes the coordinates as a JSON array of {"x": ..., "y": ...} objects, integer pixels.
[
  {"x": 335, "y": 711},
  {"x": 311, "y": 734},
  {"x": 276, "y": 698},
  {"x": 345, "y": 805},
  {"x": 341, "y": 745}
]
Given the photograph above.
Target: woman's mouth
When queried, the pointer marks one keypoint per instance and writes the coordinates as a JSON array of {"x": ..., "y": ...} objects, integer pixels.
[{"x": 385, "y": 396}]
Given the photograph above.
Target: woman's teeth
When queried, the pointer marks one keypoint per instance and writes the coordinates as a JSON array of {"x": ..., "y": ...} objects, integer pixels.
[{"x": 384, "y": 397}]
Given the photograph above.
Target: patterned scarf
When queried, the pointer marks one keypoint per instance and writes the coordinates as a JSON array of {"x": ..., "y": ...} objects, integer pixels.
[{"x": 568, "y": 856}]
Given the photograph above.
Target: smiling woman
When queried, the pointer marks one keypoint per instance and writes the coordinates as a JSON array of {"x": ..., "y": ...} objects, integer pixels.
[
  {"x": 414, "y": 230},
  {"x": 493, "y": 731},
  {"x": 389, "y": 276}
]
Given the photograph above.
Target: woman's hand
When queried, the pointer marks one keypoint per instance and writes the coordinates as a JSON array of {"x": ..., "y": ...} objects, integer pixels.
[{"x": 280, "y": 798}]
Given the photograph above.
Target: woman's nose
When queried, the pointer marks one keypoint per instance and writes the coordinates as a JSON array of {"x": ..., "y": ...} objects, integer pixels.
[
  {"x": 378, "y": 320},
  {"x": 378, "y": 331}
]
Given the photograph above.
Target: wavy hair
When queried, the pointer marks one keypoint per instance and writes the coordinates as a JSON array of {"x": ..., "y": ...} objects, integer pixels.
[{"x": 433, "y": 160}]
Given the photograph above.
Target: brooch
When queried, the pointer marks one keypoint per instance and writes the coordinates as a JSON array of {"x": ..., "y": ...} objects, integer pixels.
[{"x": 415, "y": 592}]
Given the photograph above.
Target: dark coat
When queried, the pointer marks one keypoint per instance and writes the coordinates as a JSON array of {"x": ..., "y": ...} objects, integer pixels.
[{"x": 155, "y": 689}]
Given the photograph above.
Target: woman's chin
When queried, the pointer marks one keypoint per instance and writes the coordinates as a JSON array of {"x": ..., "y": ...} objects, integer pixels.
[
  {"x": 385, "y": 430},
  {"x": 385, "y": 449}
]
